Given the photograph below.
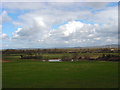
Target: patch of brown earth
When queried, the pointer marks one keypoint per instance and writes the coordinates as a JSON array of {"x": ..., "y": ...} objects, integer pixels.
[{"x": 5, "y": 61}]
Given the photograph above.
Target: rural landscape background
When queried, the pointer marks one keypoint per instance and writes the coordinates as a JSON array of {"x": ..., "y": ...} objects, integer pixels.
[{"x": 59, "y": 45}]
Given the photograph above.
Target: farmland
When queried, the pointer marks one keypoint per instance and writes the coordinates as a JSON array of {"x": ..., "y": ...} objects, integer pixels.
[{"x": 34, "y": 73}]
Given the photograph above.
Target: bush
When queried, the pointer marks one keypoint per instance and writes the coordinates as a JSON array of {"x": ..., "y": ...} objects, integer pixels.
[
  {"x": 86, "y": 57},
  {"x": 109, "y": 57},
  {"x": 66, "y": 58},
  {"x": 75, "y": 56},
  {"x": 80, "y": 58},
  {"x": 32, "y": 57}
]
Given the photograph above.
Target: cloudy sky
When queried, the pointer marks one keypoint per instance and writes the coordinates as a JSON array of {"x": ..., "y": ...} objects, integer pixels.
[{"x": 54, "y": 25}]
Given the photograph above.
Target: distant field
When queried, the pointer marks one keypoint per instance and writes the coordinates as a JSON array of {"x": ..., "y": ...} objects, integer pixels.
[
  {"x": 51, "y": 56},
  {"x": 82, "y": 74}
]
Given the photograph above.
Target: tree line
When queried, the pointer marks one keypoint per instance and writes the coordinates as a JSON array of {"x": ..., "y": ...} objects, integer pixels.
[
  {"x": 75, "y": 57},
  {"x": 52, "y": 51}
]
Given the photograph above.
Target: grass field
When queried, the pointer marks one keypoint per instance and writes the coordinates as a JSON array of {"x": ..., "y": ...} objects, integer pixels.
[
  {"x": 51, "y": 56},
  {"x": 82, "y": 74}
]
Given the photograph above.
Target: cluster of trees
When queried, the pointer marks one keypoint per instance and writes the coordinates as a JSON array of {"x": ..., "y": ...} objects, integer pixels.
[
  {"x": 75, "y": 57},
  {"x": 52, "y": 51},
  {"x": 40, "y": 57},
  {"x": 109, "y": 57},
  {"x": 37, "y": 53}
]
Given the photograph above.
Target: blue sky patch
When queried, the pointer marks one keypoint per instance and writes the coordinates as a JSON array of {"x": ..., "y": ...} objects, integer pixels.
[{"x": 112, "y": 4}]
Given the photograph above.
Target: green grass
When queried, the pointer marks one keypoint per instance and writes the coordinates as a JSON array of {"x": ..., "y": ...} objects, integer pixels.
[
  {"x": 51, "y": 56},
  {"x": 82, "y": 74}
]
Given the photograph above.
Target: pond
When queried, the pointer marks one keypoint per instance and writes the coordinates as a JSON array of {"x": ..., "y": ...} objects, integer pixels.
[{"x": 55, "y": 60}]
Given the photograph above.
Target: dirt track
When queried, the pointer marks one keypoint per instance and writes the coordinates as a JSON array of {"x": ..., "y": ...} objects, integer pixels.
[{"x": 5, "y": 61}]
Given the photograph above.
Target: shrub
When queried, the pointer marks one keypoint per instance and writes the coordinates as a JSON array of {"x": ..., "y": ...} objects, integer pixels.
[
  {"x": 75, "y": 56},
  {"x": 80, "y": 58},
  {"x": 86, "y": 57},
  {"x": 32, "y": 57},
  {"x": 66, "y": 58}
]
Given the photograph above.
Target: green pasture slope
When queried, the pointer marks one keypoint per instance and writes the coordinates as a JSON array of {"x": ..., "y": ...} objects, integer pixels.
[{"x": 82, "y": 74}]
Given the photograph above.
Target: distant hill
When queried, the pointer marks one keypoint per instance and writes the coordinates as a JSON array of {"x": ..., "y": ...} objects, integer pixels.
[{"x": 104, "y": 46}]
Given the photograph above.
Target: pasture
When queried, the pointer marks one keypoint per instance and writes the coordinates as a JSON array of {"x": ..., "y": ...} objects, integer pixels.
[{"x": 79, "y": 74}]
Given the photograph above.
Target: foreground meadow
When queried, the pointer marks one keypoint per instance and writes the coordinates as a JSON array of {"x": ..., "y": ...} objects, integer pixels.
[{"x": 79, "y": 74}]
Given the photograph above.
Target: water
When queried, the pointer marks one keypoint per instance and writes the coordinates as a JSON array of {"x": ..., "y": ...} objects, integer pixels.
[{"x": 55, "y": 60}]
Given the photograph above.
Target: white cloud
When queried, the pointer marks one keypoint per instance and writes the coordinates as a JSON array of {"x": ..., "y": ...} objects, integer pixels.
[
  {"x": 54, "y": 5},
  {"x": 36, "y": 25},
  {"x": 97, "y": 38},
  {"x": 69, "y": 28},
  {"x": 4, "y": 36},
  {"x": 107, "y": 16},
  {"x": 85, "y": 33},
  {"x": 15, "y": 34},
  {"x": 5, "y": 17}
]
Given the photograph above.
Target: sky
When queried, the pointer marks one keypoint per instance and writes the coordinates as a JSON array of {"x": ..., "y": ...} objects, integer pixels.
[{"x": 58, "y": 24}]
